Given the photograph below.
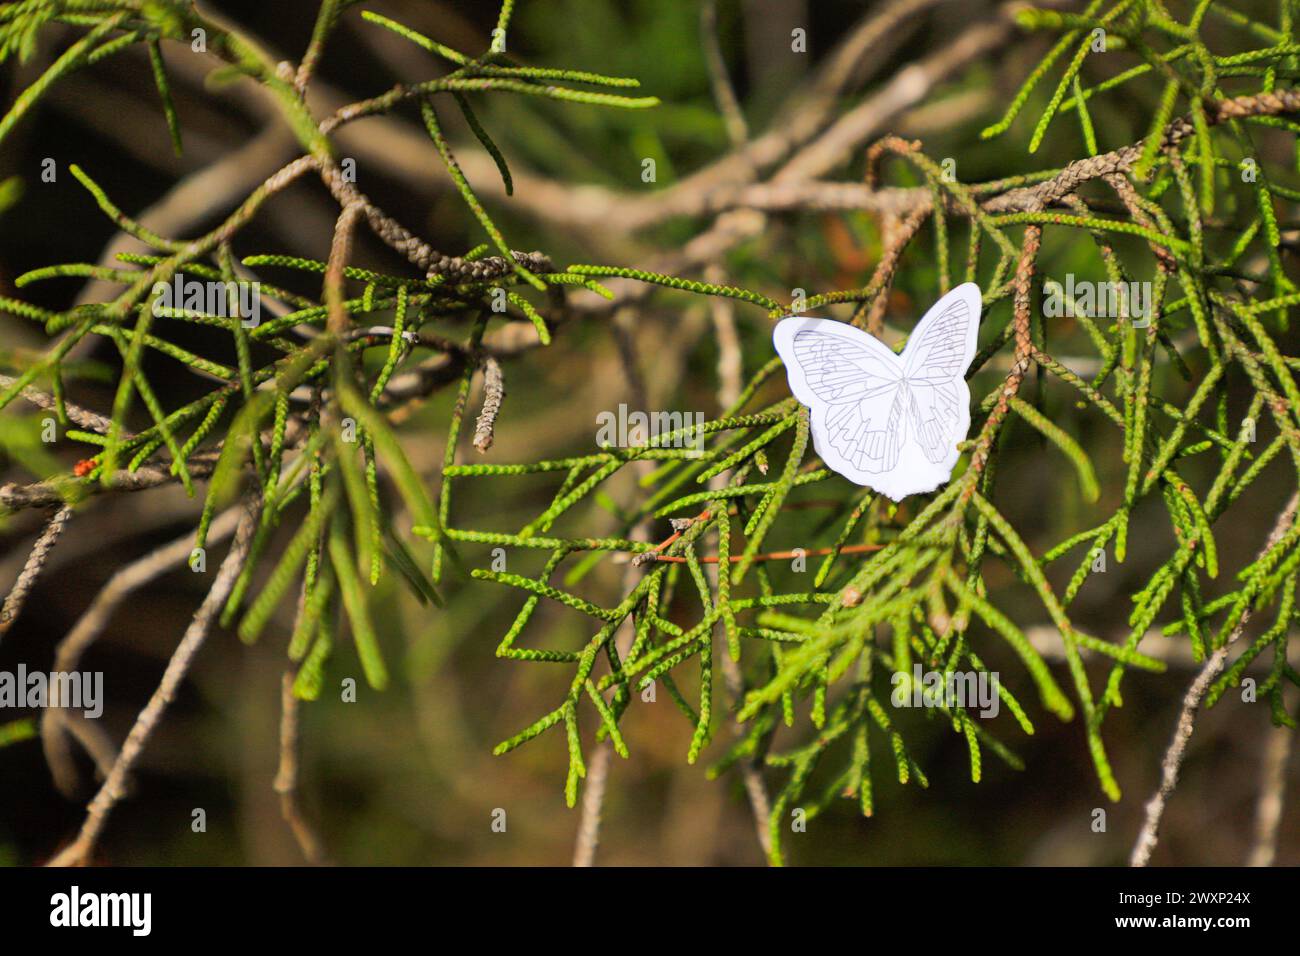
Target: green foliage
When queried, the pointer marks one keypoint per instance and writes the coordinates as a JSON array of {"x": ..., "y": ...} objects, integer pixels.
[
  {"x": 238, "y": 431},
  {"x": 17, "y": 730},
  {"x": 922, "y": 590},
  {"x": 299, "y": 425},
  {"x": 11, "y": 190}
]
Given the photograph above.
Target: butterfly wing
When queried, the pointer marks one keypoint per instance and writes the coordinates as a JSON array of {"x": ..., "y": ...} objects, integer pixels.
[
  {"x": 935, "y": 362},
  {"x": 866, "y": 435},
  {"x": 853, "y": 384}
]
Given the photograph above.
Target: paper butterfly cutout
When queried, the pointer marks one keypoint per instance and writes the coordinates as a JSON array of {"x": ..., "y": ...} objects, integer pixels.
[{"x": 890, "y": 422}]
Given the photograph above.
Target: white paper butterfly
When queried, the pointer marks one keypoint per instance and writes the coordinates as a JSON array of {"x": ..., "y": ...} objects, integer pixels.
[{"x": 890, "y": 422}]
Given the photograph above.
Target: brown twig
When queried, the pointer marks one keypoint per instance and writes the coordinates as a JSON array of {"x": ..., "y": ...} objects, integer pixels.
[
  {"x": 340, "y": 252},
  {"x": 804, "y": 115},
  {"x": 49, "y": 537},
  {"x": 1120, "y": 161},
  {"x": 54, "y": 491},
  {"x": 722, "y": 312},
  {"x": 1272, "y": 787},
  {"x": 680, "y": 527},
  {"x": 598, "y": 768},
  {"x": 329, "y": 10},
  {"x": 1173, "y": 760},
  {"x": 730, "y": 374},
  {"x": 1024, "y": 357},
  {"x": 114, "y": 787},
  {"x": 724, "y": 95},
  {"x": 55, "y": 720},
  {"x": 415, "y": 249},
  {"x": 737, "y": 225},
  {"x": 76, "y": 414},
  {"x": 286, "y": 778},
  {"x": 878, "y": 289}
]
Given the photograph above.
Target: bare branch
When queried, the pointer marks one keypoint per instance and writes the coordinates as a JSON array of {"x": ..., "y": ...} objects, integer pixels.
[
  {"x": 1148, "y": 836},
  {"x": 723, "y": 92},
  {"x": 81, "y": 416},
  {"x": 593, "y": 791},
  {"x": 114, "y": 787},
  {"x": 286, "y": 779},
  {"x": 56, "y": 720},
  {"x": 13, "y": 604},
  {"x": 1272, "y": 786},
  {"x": 54, "y": 491}
]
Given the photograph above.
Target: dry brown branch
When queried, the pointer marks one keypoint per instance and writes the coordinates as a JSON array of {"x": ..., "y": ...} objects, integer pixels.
[
  {"x": 415, "y": 249},
  {"x": 804, "y": 116},
  {"x": 40, "y": 552},
  {"x": 286, "y": 778},
  {"x": 80, "y": 416},
  {"x": 724, "y": 94},
  {"x": 56, "y": 721},
  {"x": 1132, "y": 203},
  {"x": 1122, "y": 160},
  {"x": 114, "y": 787},
  {"x": 53, "y": 491},
  {"x": 722, "y": 312},
  {"x": 593, "y": 801},
  {"x": 339, "y": 322},
  {"x": 1272, "y": 788},
  {"x": 1173, "y": 760},
  {"x": 907, "y": 87},
  {"x": 598, "y": 767},
  {"x": 730, "y": 375},
  {"x": 1024, "y": 357},
  {"x": 877, "y": 293},
  {"x": 792, "y": 189},
  {"x": 739, "y": 224}
]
